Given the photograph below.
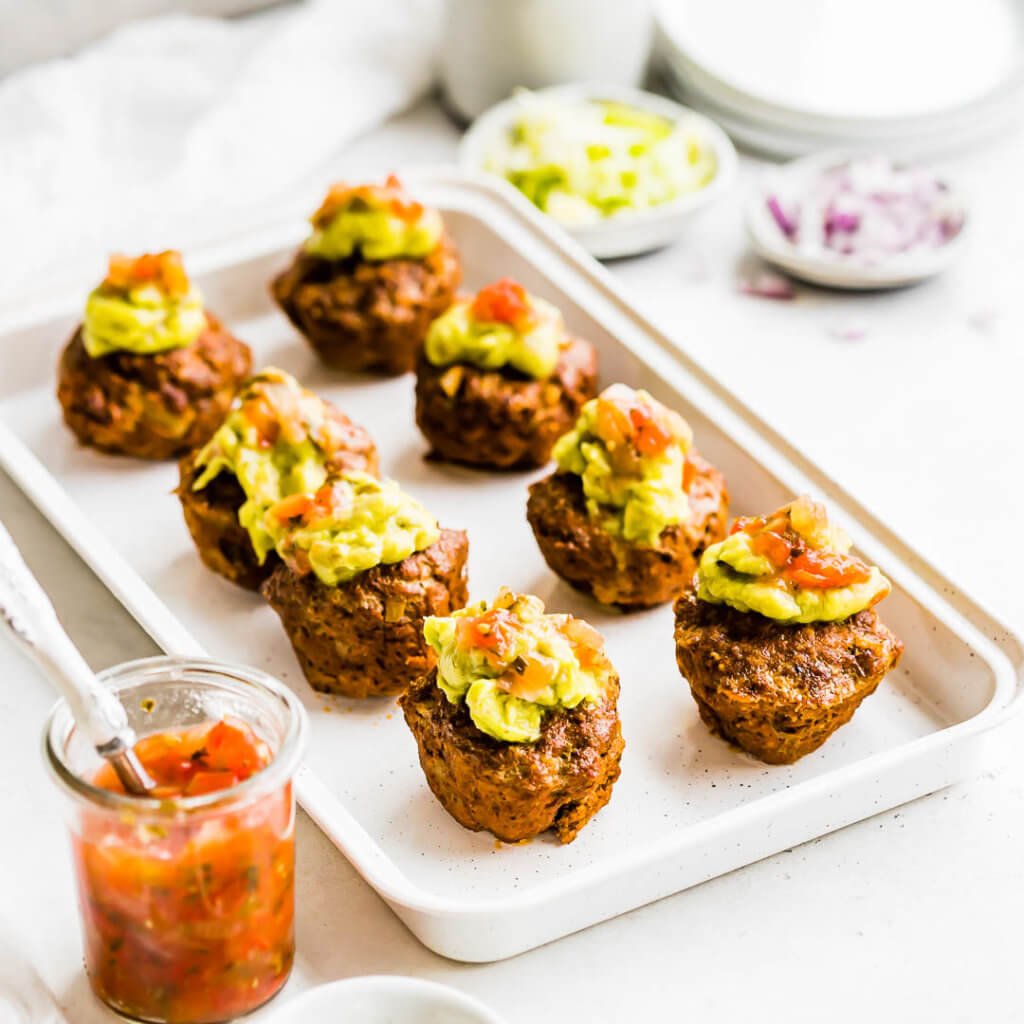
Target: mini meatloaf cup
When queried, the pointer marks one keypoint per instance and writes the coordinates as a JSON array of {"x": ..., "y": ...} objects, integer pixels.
[
  {"x": 517, "y": 791},
  {"x": 151, "y": 406},
  {"x": 212, "y": 512},
  {"x": 615, "y": 571},
  {"x": 498, "y": 419},
  {"x": 364, "y": 637},
  {"x": 779, "y": 691},
  {"x": 362, "y": 312},
  {"x": 499, "y": 379}
]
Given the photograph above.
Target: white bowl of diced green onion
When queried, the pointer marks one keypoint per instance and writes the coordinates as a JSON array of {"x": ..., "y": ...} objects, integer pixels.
[{"x": 623, "y": 171}]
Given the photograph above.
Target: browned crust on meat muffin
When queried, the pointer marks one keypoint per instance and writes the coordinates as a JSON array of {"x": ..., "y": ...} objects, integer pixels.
[
  {"x": 779, "y": 690},
  {"x": 364, "y": 638},
  {"x": 615, "y": 571},
  {"x": 211, "y": 514},
  {"x": 362, "y": 315},
  {"x": 517, "y": 791},
  {"x": 155, "y": 406},
  {"x": 212, "y": 519},
  {"x": 502, "y": 419}
]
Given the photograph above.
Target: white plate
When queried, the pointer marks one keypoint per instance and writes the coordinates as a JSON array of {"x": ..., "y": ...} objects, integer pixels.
[
  {"x": 384, "y": 999},
  {"x": 833, "y": 269},
  {"x": 688, "y": 807},
  {"x": 628, "y": 233},
  {"x": 830, "y": 66}
]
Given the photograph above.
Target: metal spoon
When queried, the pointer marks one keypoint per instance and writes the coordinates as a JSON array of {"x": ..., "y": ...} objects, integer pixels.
[{"x": 27, "y": 611}]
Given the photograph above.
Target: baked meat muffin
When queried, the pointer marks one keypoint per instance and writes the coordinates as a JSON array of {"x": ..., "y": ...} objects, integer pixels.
[
  {"x": 364, "y": 287},
  {"x": 780, "y": 642},
  {"x": 278, "y": 439},
  {"x": 632, "y": 506},
  {"x": 499, "y": 380},
  {"x": 517, "y": 726},
  {"x": 362, "y": 565},
  {"x": 149, "y": 372}
]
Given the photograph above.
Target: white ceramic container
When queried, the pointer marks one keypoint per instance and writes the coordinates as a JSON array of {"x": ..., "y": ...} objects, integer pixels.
[
  {"x": 630, "y": 232},
  {"x": 688, "y": 807},
  {"x": 491, "y": 47},
  {"x": 384, "y": 999}
]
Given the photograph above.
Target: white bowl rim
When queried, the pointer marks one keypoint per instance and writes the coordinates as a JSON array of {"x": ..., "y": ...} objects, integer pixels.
[
  {"x": 382, "y": 983},
  {"x": 834, "y": 268},
  {"x": 495, "y": 118}
]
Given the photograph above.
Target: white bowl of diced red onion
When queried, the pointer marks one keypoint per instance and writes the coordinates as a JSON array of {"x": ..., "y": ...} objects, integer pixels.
[{"x": 856, "y": 222}]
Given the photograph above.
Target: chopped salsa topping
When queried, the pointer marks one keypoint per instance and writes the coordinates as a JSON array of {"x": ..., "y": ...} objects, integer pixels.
[
  {"x": 503, "y": 302},
  {"x": 501, "y": 326},
  {"x": 791, "y": 565},
  {"x": 390, "y": 197},
  {"x": 188, "y": 912},
  {"x": 146, "y": 305},
  {"x": 376, "y": 222},
  {"x": 511, "y": 662},
  {"x": 163, "y": 269},
  {"x": 777, "y": 538},
  {"x": 632, "y": 455}
]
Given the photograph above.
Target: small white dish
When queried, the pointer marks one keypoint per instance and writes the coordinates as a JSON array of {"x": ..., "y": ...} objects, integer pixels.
[
  {"x": 628, "y": 233},
  {"x": 834, "y": 269},
  {"x": 384, "y": 999}
]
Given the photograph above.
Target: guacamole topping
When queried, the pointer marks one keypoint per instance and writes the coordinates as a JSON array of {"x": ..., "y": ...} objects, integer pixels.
[
  {"x": 349, "y": 525},
  {"x": 501, "y": 326},
  {"x": 511, "y": 663},
  {"x": 585, "y": 160},
  {"x": 275, "y": 442},
  {"x": 630, "y": 452},
  {"x": 792, "y": 566},
  {"x": 381, "y": 222},
  {"x": 145, "y": 304}
]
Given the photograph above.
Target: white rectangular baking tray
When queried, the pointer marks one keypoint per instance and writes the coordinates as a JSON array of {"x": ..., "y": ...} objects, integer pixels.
[{"x": 687, "y": 807}]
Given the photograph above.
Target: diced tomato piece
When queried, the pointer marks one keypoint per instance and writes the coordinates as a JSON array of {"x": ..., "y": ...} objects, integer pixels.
[
  {"x": 582, "y": 634},
  {"x": 164, "y": 269},
  {"x": 649, "y": 436},
  {"x": 493, "y": 631},
  {"x": 295, "y": 506},
  {"x": 229, "y": 748},
  {"x": 747, "y": 524},
  {"x": 823, "y": 569},
  {"x": 263, "y": 420},
  {"x": 689, "y": 475},
  {"x": 528, "y": 678},
  {"x": 503, "y": 302},
  {"x": 612, "y": 422},
  {"x": 210, "y": 782},
  {"x": 773, "y": 546}
]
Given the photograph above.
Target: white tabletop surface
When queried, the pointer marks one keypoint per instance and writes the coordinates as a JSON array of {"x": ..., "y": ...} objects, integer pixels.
[{"x": 912, "y": 915}]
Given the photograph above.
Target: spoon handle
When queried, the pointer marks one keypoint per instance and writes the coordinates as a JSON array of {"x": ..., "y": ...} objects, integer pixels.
[{"x": 30, "y": 616}]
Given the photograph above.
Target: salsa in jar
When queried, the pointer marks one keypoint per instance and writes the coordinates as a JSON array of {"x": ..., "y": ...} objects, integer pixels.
[
  {"x": 187, "y": 894},
  {"x": 190, "y": 919}
]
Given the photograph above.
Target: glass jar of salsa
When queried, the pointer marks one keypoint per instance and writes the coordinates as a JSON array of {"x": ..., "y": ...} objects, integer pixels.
[{"x": 187, "y": 897}]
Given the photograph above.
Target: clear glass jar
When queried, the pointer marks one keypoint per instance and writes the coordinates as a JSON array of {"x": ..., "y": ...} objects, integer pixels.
[{"x": 187, "y": 902}]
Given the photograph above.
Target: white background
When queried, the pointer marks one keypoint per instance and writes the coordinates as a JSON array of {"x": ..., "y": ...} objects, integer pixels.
[{"x": 912, "y": 915}]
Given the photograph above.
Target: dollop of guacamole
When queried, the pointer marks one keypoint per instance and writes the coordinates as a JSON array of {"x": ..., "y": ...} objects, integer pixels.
[
  {"x": 740, "y": 572},
  {"x": 380, "y": 222},
  {"x": 146, "y": 305},
  {"x": 530, "y": 346},
  {"x": 274, "y": 442},
  {"x": 632, "y": 475},
  {"x": 512, "y": 663},
  {"x": 352, "y": 524}
]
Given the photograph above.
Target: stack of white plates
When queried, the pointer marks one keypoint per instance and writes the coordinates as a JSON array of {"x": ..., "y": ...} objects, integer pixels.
[{"x": 788, "y": 77}]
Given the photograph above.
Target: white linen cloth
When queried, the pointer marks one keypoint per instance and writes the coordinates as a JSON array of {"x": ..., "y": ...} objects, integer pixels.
[{"x": 177, "y": 128}]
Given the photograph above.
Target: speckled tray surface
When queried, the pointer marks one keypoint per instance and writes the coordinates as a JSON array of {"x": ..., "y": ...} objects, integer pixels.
[{"x": 687, "y": 807}]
